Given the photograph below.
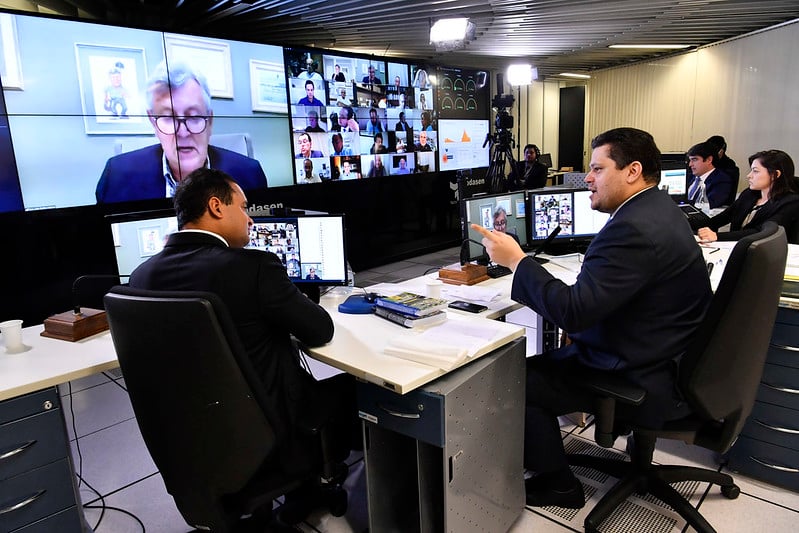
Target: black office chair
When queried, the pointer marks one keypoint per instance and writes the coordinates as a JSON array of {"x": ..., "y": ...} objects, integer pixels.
[
  {"x": 718, "y": 376},
  {"x": 202, "y": 411}
]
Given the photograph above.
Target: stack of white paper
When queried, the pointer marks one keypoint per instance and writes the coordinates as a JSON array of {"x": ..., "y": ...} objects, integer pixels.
[{"x": 444, "y": 346}]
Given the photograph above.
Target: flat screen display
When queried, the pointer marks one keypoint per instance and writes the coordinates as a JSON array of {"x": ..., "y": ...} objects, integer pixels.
[
  {"x": 498, "y": 212},
  {"x": 138, "y": 236},
  {"x": 79, "y": 118},
  {"x": 461, "y": 144},
  {"x": 568, "y": 208},
  {"x": 673, "y": 181},
  {"x": 311, "y": 247}
]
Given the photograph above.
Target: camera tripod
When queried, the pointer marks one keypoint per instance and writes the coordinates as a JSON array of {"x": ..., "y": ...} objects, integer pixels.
[{"x": 501, "y": 152}]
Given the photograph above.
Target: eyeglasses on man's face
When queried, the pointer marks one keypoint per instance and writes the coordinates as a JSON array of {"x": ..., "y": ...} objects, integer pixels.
[
  {"x": 500, "y": 223},
  {"x": 169, "y": 125}
]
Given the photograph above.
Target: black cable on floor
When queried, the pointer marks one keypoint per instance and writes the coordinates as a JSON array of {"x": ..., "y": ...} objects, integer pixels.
[
  {"x": 103, "y": 507},
  {"x": 79, "y": 472}
]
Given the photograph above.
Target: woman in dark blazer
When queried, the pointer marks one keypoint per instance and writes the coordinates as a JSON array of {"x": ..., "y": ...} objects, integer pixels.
[{"x": 772, "y": 195}]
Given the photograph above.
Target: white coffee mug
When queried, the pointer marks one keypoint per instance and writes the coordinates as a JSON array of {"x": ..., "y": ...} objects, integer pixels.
[
  {"x": 11, "y": 330},
  {"x": 433, "y": 288}
]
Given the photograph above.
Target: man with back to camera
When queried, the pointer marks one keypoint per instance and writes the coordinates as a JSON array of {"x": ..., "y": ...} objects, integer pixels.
[
  {"x": 207, "y": 254},
  {"x": 640, "y": 296},
  {"x": 717, "y": 184},
  {"x": 722, "y": 160},
  {"x": 309, "y": 98},
  {"x": 179, "y": 109},
  {"x": 530, "y": 173}
]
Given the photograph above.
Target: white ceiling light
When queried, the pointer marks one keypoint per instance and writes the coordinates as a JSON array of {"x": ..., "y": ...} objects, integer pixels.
[
  {"x": 521, "y": 74},
  {"x": 575, "y": 75},
  {"x": 446, "y": 30}
]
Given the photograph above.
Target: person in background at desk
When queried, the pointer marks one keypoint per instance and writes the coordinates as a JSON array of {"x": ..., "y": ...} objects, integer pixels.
[
  {"x": 718, "y": 185},
  {"x": 641, "y": 294},
  {"x": 722, "y": 160},
  {"x": 530, "y": 173},
  {"x": 267, "y": 310},
  {"x": 179, "y": 110},
  {"x": 772, "y": 195}
]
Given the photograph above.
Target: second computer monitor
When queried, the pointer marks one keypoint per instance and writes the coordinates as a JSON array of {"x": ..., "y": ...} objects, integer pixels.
[{"x": 569, "y": 209}]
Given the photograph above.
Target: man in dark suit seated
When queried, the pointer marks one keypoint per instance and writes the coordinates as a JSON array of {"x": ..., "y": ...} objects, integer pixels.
[
  {"x": 179, "y": 109},
  {"x": 717, "y": 184},
  {"x": 641, "y": 293},
  {"x": 530, "y": 173},
  {"x": 208, "y": 254}
]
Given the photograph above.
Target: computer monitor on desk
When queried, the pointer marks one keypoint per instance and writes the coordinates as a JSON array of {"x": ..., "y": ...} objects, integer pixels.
[
  {"x": 673, "y": 181},
  {"x": 480, "y": 210},
  {"x": 139, "y": 235},
  {"x": 568, "y": 208},
  {"x": 311, "y": 247}
]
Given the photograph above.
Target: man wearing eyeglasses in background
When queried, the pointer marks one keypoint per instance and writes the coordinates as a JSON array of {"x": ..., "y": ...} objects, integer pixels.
[{"x": 179, "y": 108}]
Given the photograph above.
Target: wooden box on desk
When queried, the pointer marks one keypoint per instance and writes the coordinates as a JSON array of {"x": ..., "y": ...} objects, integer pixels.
[
  {"x": 72, "y": 327},
  {"x": 467, "y": 274}
]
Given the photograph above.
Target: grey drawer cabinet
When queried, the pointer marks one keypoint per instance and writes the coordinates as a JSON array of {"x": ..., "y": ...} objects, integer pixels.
[
  {"x": 768, "y": 447},
  {"x": 448, "y": 456},
  {"x": 37, "y": 489}
]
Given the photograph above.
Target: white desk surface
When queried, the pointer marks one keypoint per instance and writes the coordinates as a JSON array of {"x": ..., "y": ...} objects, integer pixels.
[
  {"x": 356, "y": 347},
  {"x": 359, "y": 340},
  {"x": 50, "y": 362}
]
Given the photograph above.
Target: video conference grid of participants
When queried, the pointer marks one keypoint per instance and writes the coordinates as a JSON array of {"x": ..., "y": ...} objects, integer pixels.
[{"x": 81, "y": 93}]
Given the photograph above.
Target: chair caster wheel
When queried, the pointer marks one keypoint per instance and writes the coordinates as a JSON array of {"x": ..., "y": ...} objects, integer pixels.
[{"x": 730, "y": 491}]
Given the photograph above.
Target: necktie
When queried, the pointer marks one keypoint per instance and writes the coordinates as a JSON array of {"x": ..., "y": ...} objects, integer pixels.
[{"x": 693, "y": 192}]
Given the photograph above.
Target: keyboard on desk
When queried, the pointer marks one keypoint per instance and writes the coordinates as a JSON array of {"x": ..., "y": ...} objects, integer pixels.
[{"x": 497, "y": 271}]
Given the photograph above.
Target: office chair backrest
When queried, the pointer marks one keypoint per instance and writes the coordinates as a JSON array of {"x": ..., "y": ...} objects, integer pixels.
[
  {"x": 720, "y": 374},
  {"x": 575, "y": 180},
  {"x": 189, "y": 381}
]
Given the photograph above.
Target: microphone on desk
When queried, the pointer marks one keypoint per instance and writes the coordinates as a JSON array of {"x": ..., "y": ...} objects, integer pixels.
[
  {"x": 547, "y": 241},
  {"x": 466, "y": 256},
  {"x": 78, "y": 323}
]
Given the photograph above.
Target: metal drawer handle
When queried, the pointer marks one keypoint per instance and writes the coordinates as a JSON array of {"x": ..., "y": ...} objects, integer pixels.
[
  {"x": 783, "y": 347},
  {"x": 30, "y": 499},
  {"x": 775, "y": 428},
  {"x": 399, "y": 414},
  {"x": 781, "y": 389},
  {"x": 15, "y": 451},
  {"x": 775, "y": 467}
]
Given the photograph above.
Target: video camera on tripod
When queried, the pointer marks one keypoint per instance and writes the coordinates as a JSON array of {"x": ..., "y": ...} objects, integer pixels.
[{"x": 500, "y": 142}]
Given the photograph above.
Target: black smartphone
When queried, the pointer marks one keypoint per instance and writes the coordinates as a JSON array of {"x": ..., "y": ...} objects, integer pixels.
[{"x": 460, "y": 305}]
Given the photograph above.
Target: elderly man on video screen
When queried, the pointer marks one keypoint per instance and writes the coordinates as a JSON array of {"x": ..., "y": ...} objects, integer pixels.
[{"x": 179, "y": 109}]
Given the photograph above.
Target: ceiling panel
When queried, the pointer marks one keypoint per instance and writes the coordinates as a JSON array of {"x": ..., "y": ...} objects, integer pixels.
[{"x": 554, "y": 35}]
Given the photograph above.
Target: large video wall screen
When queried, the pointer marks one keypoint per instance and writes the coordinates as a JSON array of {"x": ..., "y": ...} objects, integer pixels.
[{"x": 100, "y": 114}]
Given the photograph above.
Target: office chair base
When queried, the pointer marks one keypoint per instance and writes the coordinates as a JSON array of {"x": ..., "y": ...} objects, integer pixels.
[{"x": 654, "y": 480}]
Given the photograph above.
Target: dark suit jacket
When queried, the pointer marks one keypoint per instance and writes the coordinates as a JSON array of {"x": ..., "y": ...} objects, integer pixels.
[
  {"x": 719, "y": 188},
  {"x": 642, "y": 292},
  {"x": 138, "y": 175},
  {"x": 407, "y": 127},
  {"x": 784, "y": 211},
  {"x": 535, "y": 179},
  {"x": 265, "y": 306}
]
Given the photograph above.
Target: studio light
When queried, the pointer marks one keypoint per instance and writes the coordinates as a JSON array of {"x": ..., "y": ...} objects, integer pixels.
[
  {"x": 522, "y": 74},
  {"x": 446, "y": 30}
]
